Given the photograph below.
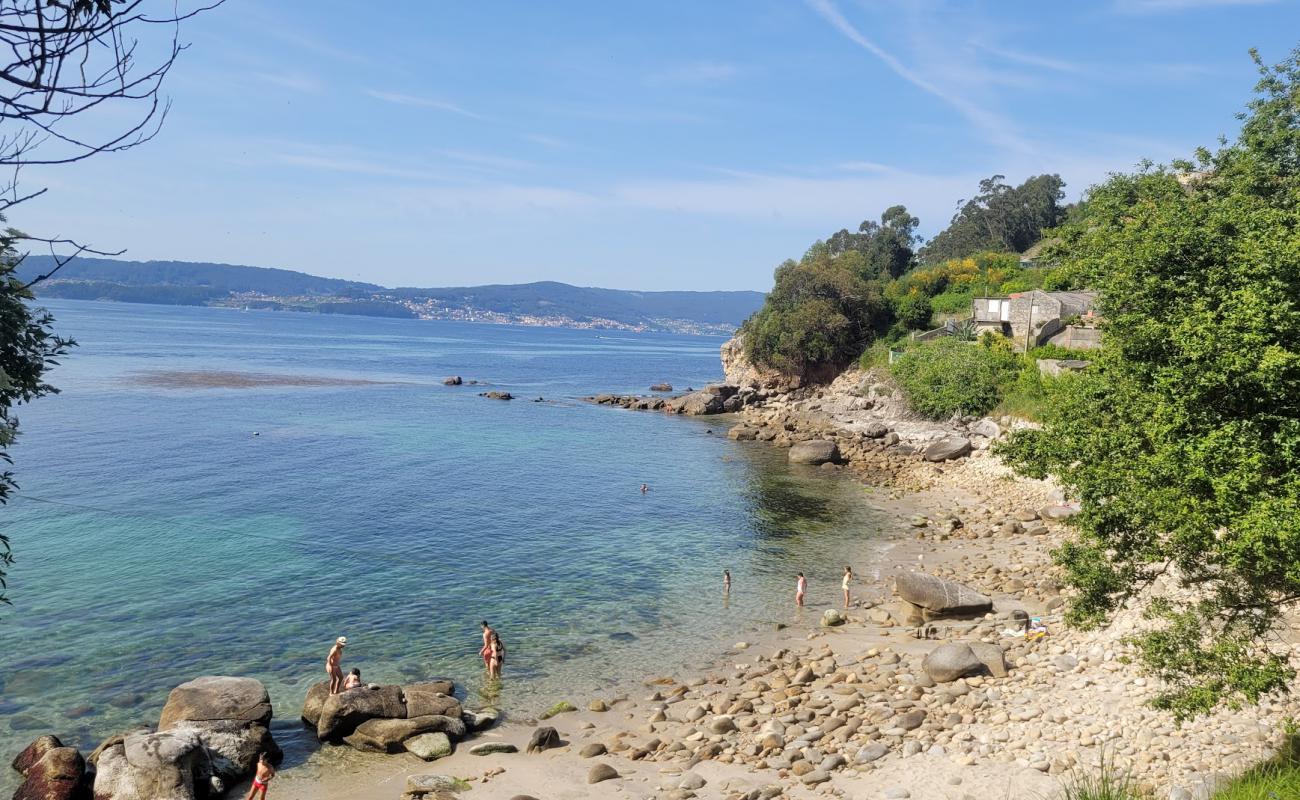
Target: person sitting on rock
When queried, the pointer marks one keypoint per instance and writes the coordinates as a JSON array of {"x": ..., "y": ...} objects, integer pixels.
[
  {"x": 332, "y": 664},
  {"x": 353, "y": 680},
  {"x": 265, "y": 772}
]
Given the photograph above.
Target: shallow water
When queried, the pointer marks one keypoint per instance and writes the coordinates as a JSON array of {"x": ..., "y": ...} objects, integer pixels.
[{"x": 158, "y": 538}]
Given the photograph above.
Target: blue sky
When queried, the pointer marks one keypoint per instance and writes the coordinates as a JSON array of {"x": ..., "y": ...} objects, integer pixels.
[{"x": 669, "y": 145}]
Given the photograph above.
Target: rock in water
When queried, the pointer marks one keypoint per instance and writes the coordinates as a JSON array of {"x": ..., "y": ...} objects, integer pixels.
[
  {"x": 154, "y": 766},
  {"x": 662, "y": 387},
  {"x": 951, "y": 661},
  {"x": 945, "y": 449},
  {"x": 940, "y": 596},
  {"x": 601, "y": 772},
  {"x": 543, "y": 739},
  {"x": 421, "y": 702},
  {"x": 452, "y": 380},
  {"x": 480, "y": 720},
  {"x": 697, "y": 404},
  {"x": 429, "y": 746},
  {"x": 314, "y": 702},
  {"x": 35, "y": 752},
  {"x": 57, "y": 775},
  {"x": 495, "y": 395},
  {"x": 562, "y": 707},
  {"x": 815, "y": 452},
  {"x": 341, "y": 713},
  {"x": 215, "y": 697}
]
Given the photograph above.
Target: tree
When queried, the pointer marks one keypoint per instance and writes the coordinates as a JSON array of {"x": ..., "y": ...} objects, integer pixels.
[
  {"x": 818, "y": 317},
  {"x": 1182, "y": 440},
  {"x": 886, "y": 246},
  {"x": 1000, "y": 217},
  {"x": 78, "y": 81}
]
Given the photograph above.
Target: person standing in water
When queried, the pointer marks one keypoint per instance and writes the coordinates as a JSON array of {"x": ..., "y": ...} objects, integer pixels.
[
  {"x": 800, "y": 589},
  {"x": 726, "y": 581},
  {"x": 265, "y": 772},
  {"x": 488, "y": 633},
  {"x": 332, "y": 664},
  {"x": 844, "y": 584},
  {"x": 496, "y": 656}
]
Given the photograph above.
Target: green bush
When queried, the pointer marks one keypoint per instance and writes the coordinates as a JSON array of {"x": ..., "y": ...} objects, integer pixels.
[{"x": 945, "y": 377}]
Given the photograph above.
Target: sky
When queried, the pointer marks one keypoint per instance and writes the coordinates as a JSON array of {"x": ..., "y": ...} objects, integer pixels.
[{"x": 668, "y": 145}]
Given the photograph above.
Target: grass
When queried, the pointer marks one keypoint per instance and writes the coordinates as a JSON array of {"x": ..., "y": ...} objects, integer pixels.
[
  {"x": 1278, "y": 779},
  {"x": 1107, "y": 783}
]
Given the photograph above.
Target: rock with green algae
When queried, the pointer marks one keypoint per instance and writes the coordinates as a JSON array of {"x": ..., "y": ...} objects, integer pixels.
[{"x": 562, "y": 707}]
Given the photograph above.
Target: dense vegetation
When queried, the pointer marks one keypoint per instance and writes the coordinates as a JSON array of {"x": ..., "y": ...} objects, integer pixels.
[
  {"x": 856, "y": 288},
  {"x": 951, "y": 377},
  {"x": 1182, "y": 441},
  {"x": 1000, "y": 218}
]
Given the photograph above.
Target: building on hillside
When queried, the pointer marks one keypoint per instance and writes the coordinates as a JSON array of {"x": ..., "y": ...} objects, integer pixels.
[{"x": 1036, "y": 317}]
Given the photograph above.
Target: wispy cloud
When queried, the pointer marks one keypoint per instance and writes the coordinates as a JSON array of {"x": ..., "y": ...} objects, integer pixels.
[
  {"x": 1173, "y": 6},
  {"x": 1032, "y": 59},
  {"x": 548, "y": 141},
  {"x": 996, "y": 127},
  {"x": 293, "y": 81},
  {"x": 697, "y": 73},
  {"x": 398, "y": 98},
  {"x": 326, "y": 162}
]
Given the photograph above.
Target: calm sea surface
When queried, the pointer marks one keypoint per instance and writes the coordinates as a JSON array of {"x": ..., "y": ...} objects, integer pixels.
[{"x": 158, "y": 538}]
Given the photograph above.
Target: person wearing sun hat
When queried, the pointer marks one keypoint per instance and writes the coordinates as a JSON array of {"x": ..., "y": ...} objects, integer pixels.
[{"x": 333, "y": 664}]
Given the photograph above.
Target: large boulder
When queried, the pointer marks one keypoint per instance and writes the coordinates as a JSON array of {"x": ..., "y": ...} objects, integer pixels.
[
  {"x": 422, "y": 703},
  {"x": 154, "y": 766},
  {"x": 948, "y": 448},
  {"x": 214, "y": 697},
  {"x": 814, "y": 451},
  {"x": 940, "y": 596},
  {"x": 951, "y": 661},
  {"x": 59, "y": 774},
  {"x": 387, "y": 735},
  {"x": 436, "y": 685},
  {"x": 992, "y": 656},
  {"x": 341, "y": 713},
  {"x": 314, "y": 702},
  {"x": 231, "y": 717}
]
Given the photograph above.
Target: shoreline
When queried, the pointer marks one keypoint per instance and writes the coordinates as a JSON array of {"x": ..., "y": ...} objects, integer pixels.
[{"x": 1067, "y": 702}]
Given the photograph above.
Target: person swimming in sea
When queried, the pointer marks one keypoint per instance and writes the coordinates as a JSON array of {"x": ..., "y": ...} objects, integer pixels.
[
  {"x": 332, "y": 667},
  {"x": 353, "y": 680},
  {"x": 644, "y": 488},
  {"x": 265, "y": 772},
  {"x": 844, "y": 584},
  {"x": 726, "y": 581},
  {"x": 800, "y": 589}
]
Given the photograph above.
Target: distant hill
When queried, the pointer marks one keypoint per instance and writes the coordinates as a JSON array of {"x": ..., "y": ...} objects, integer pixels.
[
  {"x": 222, "y": 278},
  {"x": 546, "y": 302}
]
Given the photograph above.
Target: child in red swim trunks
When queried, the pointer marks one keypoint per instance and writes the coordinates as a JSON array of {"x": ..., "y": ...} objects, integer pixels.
[{"x": 265, "y": 772}]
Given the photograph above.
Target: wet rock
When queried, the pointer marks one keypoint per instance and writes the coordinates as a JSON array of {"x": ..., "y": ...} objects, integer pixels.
[
  {"x": 429, "y": 746},
  {"x": 743, "y": 433},
  {"x": 562, "y": 707},
  {"x": 497, "y": 395},
  {"x": 35, "y": 752},
  {"x": 59, "y": 774},
  {"x": 452, "y": 380},
  {"x": 481, "y": 720}
]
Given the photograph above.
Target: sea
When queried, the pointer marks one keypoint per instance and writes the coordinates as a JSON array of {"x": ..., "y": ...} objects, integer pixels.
[{"x": 224, "y": 492}]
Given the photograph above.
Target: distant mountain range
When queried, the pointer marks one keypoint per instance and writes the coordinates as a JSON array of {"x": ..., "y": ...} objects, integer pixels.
[{"x": 543, "y": 303}]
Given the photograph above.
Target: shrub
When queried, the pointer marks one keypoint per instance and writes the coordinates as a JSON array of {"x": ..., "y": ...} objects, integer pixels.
[{"x": 947, "y": 377}]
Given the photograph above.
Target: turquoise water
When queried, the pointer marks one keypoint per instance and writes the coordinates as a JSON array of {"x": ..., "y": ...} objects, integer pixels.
[{"x": 159, "y": 539}]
